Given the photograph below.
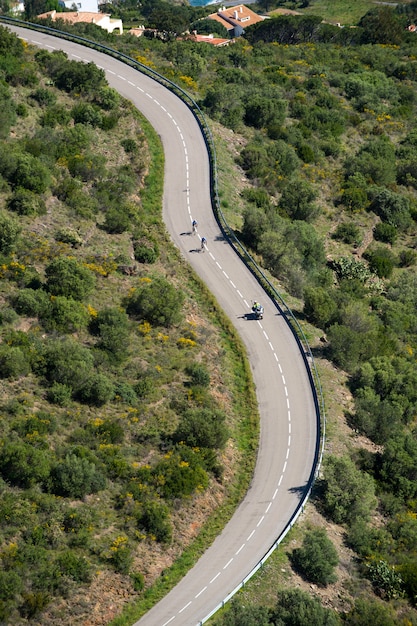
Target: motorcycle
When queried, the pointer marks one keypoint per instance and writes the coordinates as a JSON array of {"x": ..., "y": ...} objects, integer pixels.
[{"x": 258, "y": 310}]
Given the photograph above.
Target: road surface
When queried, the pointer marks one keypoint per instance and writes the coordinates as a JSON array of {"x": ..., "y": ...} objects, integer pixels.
[{"x": 289, "y": 429}]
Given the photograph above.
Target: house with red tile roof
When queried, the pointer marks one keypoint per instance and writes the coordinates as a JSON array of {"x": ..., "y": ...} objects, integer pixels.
[
  {"x": 211, "y": 39},
  {"x": 75, "y": 17},
  {"x": 236, "y": 19}
]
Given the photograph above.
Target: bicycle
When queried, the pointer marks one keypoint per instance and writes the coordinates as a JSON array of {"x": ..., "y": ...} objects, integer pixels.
[
  {"x": 194, "y": 226},
  {"x": 203, "y": 244}
]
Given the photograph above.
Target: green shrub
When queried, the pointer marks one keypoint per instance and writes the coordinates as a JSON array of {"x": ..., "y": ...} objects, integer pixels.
[
  {"x": 34, "y": 602},
  {"x": 75, "y": 477},
  {"x": 385, "y": 232},
  {"x": 87, "y": 167},
  {"x": 110, "y": 121},
  {"x": 113, "y": 329},
  {"x": 96, "y": 390},
  {"x": 145, "y": 252},
  {"x": 43, "y": 96},
  {"x": 31, "y": 173},
  {"x": 108, "y": 98},
  {"x": 74, "y": 566},
  {"x": 392, "y": 208},
  {"x": 297, "y": 201},
  {"x": 120, "y": 555},
  {"x": 22, "y": 110},
  {"x": 41, "y": 423},
  {"x": 386, "y": 581},
  {"x": 24, "y": 465},
  {"x": 30, "y": 302},
  {"x": 317, "y": 558},
  {"x": 8, "y": 316},
  {"x": 64, "y": 315},
  {"x": 398, "y": 466},
  {"x": 68, "y": 235},
  {"x": 347, "y": 232},
  {"x": 369, "y": 611},
  {"x": 199, "y": 374},
  {"x": 153, "y": 518},
  {"x": 408, "y": 572},
  {"x": 182, "y": 473},
  {"x": 144, "y": 387},
  {"x": 67, "y": 277},
  {"x": 355, "y": 198},
  {"x": 55, "y": 115},
  {"x": 348, "y": 494},
  {"x": 157, "y": 302},
  {"x": 297, "y": 608},
  {"x": 59, "y": 394},
  {"x": 130, "y": 146},
  {"x": 407, "y": 258},
  {"x": 13, "y": 362},
  {"x": 319, "y": 306},
  {"x": 9, "y": 233},
  {"x": 202, "y": 428},
  {"x": 125, "y": 393},
  {"x": 109, "y": 431},
  {"x": 26, "y": 202},
  {"x": 138, "y": 581},
  {"x": 85, "y": 113},
  {"x": 67, "y": 362},
  {"x": 237, "y": 614},
  {"x": 11, "y": 585},
  {"x": 381, "y": 262},
  {"x": 117, "y": 220}
]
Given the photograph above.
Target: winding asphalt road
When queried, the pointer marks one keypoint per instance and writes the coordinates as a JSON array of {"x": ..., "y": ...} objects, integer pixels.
[{"x": 289, "y": 431}]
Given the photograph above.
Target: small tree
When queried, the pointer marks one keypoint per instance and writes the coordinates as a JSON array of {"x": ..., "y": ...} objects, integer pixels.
[
  {"x": 26, "y": 202},
  {"x": 317, "y": 558},
  {"x": 112, "y": 327},
  {"x": 67, "y": 277},
  {"x": 23, "y": 465},
  {"x": 381, "y": 261},
  {"x": 202, "y": 428},
  {"x": 68, "y": 363},
  {"x": 153, "y": 518},
  {"x": 297, "y": 608},
  {"x": 157, "y": 302},
  {"x": 13, "y": 362},
  {"x": 297, "y": 201},
  {"x": 319, "y": 306},
  {"x": 9, "y": 233},
  {"x": 97, "y": 390},
  {"x": 348, "y": 493},
  {"x": 75, "y": 477}
]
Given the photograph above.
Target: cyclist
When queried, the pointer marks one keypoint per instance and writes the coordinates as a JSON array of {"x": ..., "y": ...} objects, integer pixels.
[
  {"x": 194, "y": 225},
  {"x": 203, "y": 243}
]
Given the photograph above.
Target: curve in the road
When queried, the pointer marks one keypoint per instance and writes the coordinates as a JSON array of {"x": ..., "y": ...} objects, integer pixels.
[{"x": 290, "y": 429}]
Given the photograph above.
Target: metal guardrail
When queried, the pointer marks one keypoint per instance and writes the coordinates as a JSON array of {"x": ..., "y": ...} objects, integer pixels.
[{"x": 263, "y": 280}]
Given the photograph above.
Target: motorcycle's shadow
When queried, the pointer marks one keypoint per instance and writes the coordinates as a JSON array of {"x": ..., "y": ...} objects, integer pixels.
[{"x": 251, "y": 316}]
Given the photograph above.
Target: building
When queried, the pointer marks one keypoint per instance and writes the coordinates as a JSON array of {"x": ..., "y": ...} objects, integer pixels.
[
  {"x": 89, "y": 6},
  {"x": 236, "y": 19},
  {"x": 218, "y": 42},
  {"x": 103, "y": 20}
]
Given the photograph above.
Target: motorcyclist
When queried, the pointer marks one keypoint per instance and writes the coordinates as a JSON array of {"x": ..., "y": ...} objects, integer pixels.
[{"x": 258, "y": 309}]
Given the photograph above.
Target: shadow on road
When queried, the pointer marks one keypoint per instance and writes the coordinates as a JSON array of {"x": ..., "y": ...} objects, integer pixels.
[
  {"x": 300, "y": 491},
  {"x": 248, "y": 316}
]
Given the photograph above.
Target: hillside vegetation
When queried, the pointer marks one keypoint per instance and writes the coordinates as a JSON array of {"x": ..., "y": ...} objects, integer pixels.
[{"x": 120, "y": 382}]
